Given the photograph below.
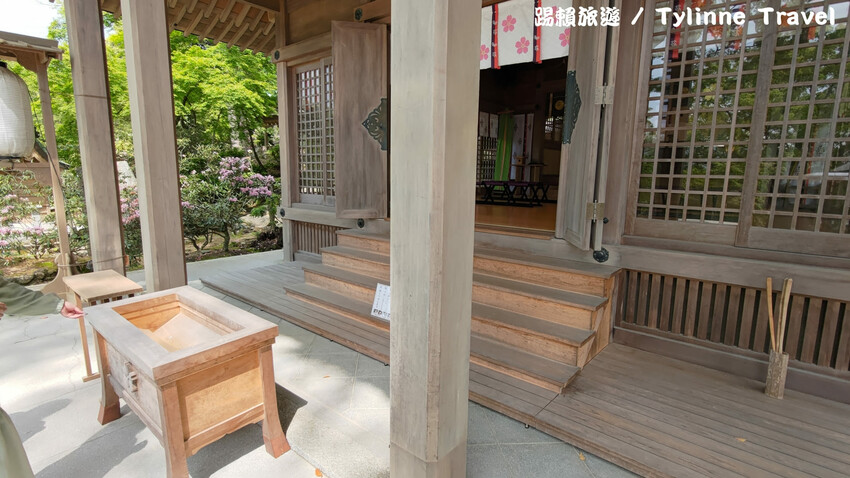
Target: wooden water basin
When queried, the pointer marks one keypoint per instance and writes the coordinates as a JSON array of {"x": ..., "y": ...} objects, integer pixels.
[{"x": 191, "y": 366}]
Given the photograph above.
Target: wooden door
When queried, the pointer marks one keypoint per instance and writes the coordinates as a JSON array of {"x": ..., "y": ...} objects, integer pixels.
[
  {"x": 586, "y": 126},
  {"x": 361, "y": 115}
]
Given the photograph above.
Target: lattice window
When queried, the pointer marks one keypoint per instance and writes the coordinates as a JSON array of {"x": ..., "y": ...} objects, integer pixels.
[
  {"x": 705, "y": 126},
  {"x": 805, "y": 157},
  {"x": 486, "y": 164},
  {"x": 697, "y": 126},
  {"x": 314, "y": 132}
]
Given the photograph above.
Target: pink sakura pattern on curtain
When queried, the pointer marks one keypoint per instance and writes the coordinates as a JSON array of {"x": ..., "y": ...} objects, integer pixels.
[
  {"x": 516, "y": 31},
  {"x": 522, "y": 45},
  {"x": 513, "y": 22}
]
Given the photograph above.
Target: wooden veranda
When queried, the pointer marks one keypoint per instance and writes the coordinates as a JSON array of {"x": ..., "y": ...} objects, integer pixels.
[{"x": 653, "y": 415}]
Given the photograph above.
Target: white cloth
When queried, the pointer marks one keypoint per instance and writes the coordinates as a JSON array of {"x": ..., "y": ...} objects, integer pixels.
[
  {"x": 516, "y": 32},
  {"x": 555, "y": 40}
]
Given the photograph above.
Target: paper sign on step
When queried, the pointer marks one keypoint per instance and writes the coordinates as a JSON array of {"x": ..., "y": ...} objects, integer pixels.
[{"x": 381, "y": 304}]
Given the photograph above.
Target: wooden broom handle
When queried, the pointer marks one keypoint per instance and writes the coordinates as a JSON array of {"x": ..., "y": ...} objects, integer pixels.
[{"x": 769, "y": 299}]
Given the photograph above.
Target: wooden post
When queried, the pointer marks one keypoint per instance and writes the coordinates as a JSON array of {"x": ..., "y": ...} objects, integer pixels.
[
  {"x": 273, "y": 437},
  {"x": 434, "y": 107},
  {"x": 38, "y": 63},
  {"x": 110, "y": 408},
  {"x": 172, "y": 427},
  {"x": 777, "y": 368},
  {"x": 94, "y": 122},
  {"x": 154, "y": 141},
  {"x": 283, "y": 120}
]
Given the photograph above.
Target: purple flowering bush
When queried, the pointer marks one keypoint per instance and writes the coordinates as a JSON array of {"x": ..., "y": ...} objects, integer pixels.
[
  {"x": 215, "y": 198},
  {"x": 21, "y": 231},
  {"x": 131, "y": 219}
]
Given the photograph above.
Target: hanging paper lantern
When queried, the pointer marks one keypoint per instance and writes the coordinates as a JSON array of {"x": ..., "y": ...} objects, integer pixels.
[{"x": 17, "y": 135}]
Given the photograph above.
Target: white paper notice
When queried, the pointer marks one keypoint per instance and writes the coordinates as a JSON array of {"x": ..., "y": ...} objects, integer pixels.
[{"x": 381, "y": 304}]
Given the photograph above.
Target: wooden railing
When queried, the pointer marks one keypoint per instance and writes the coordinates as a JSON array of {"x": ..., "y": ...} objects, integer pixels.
[
  {"x": 311, "y": 238},
  {"x": 818, "y": 329}
]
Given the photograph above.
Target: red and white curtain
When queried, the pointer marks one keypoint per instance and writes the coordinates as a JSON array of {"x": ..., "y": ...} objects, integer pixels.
[{"x": 509, "y": 36}]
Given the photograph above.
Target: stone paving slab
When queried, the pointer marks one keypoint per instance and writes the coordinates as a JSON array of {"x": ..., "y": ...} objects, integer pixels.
[{"x": 334, "y": 404}]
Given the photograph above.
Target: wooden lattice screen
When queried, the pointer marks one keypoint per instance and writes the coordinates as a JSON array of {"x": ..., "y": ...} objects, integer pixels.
[
  {"x": 314, "y": 101},
  {"x": 805, "y": 156},
  {"x": 486, "y": 162},
  {"x": 747, "y": 141},
  {"x": 311, "y": 238},
  {"x": 818, "y": 330}
]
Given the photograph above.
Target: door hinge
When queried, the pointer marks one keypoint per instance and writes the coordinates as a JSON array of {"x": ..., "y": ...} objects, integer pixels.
[
  {"x": 595, "y": 210},
  {"x": 604, "y": 95}
]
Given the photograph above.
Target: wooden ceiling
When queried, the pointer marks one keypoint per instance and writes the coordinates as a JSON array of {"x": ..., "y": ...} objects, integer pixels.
[{"x": 246, "y": 24}]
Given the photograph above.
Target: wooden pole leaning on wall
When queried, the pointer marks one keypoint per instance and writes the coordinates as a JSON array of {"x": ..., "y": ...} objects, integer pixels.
[{"x": 777, "y": 367}]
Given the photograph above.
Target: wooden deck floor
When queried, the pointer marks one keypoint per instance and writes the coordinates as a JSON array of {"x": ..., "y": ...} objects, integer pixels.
[{"x": 653, "y": 415}]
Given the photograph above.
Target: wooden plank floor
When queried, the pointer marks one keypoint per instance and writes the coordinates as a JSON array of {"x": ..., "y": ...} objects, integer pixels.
[{"x": 650, "y": 414}]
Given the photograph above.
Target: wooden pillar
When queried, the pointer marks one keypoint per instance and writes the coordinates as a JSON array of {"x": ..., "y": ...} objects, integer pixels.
[
  {"x": 283, "y": 115},
  {"x": 154, "y": 141},
  {"x": 94, "y": 122},
  {"x": 56, "y": 285},
  {"x": 434, "y": 108}
]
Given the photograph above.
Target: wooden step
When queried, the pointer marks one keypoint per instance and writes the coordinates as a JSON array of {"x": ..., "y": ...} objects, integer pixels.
[
  {"x": 565, "y": 343},
  {"x": 556, "y": 305},
  {"x": 245, "y": 285},
  {"x": 367, "y": 241},
  {"x": 337, "y": 303},
  {"x": 357, "y": 260},
  {"x": 344, "y": 282},
  {"x": 521, "y": 365},
  {"x": 553, "y": 272},
  {"x": 504, "y": 393},
  {"x": 518, "y": 363},
  {"x": 557, "y": 341},
  {"x": 344, "y": 330}
]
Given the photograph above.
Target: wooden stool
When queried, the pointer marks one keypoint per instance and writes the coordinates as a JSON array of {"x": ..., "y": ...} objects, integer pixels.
[{"x": 97, "y": 288}]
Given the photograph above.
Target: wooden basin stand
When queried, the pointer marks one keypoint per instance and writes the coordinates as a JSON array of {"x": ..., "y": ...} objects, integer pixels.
[
  {"x": 193, "y": 368},
  {"x": 97, "y": 288}
]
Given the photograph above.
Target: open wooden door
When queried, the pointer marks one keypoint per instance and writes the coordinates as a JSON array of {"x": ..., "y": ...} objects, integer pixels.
[
  {"x": 587, "y": 125},
  {"x": 361, "y": 119}
]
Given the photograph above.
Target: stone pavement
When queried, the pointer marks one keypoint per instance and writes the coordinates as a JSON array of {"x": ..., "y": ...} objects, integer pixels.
[{"x": 334, "y": 405}]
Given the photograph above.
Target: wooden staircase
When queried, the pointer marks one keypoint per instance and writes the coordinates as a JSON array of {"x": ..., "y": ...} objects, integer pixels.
[{"x": 535, "y": 319}]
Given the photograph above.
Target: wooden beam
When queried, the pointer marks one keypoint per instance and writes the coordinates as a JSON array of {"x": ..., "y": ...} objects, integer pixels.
[
  {"x": 192, "y": 5},
  {"x": 241, "y": 16},
  {"x": 307, "y": 49},
  {"x": 269, "y": 26},
  {"x": 266, "y": 46},
  {"x": 94, "y": 124},
  {"x": 256, "y": 20},
  {"x": 269, "y": 5},
  {"x": 210, "y": 8},
  {"x": 213, "y": 22},
  {"x": 154, "y": 142},
  {"x": 826, "y": 282},
  {"x": 226, "y": 12},
  {"x": 179, "y": 17},
  {"x": 192, "y": 26},
  {"x": 238, "y": 35},
  {"x": 372, "y": 10},
  {"x": 247, "y": 45},
  {"x": 224, "y": 31}
]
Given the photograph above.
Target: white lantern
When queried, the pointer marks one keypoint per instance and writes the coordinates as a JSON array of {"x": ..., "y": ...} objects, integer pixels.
[{"x": 17, "y": 135}]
